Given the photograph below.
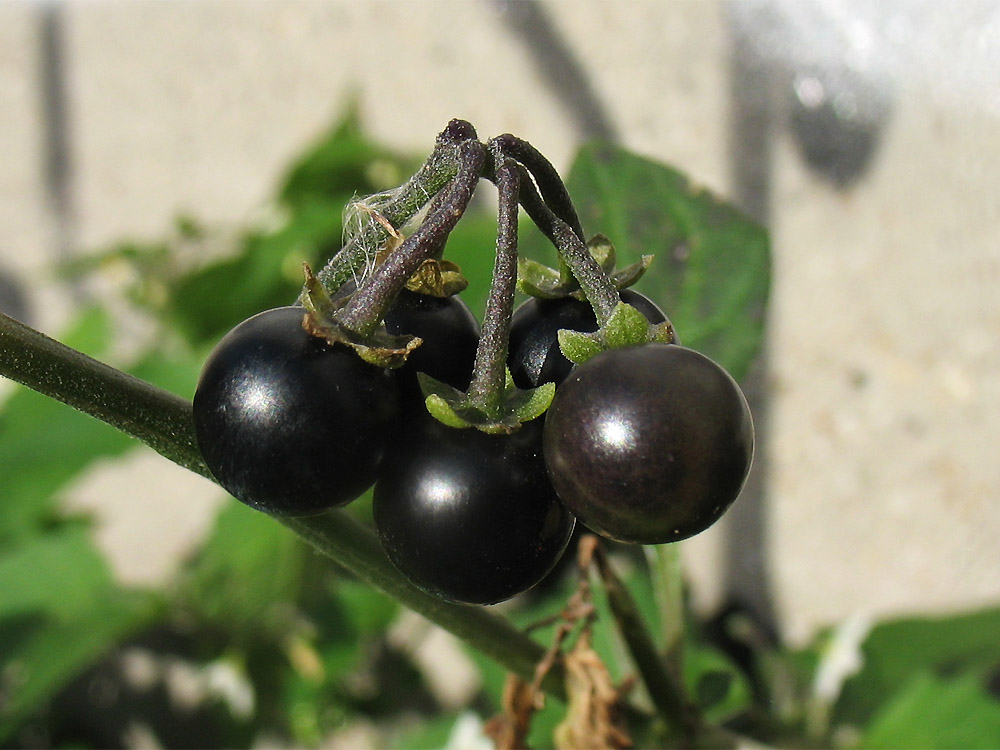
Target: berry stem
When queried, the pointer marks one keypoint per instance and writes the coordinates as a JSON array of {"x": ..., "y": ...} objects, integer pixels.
[
  {"x": 441, "y": 167},
  {"x": 594, "y": 282},
  {"x": 159, "y": 419},
  {"x": 668, "y": 587},
  {"x": 489, "y": 373},
  {"x": 665, "y": 686},
  {"x": 370, "y": 302}
]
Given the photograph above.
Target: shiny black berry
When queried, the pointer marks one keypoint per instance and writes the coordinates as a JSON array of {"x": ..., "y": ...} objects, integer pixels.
[
  {"x": 470, "y": 517},
  {"x": 287, "y": 423},
  {"x": 648, "y": 444},
  {"x": 450, "y": 335}
]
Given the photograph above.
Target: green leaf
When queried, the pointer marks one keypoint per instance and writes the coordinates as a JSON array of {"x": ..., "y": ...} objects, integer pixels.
[
  {"x": 266, "y": 272},
  {"x": 712, "y": 266},
  {"x": 59, "y": 611},
  {"x": 932, "y": 712},
  {"x": 896, "y": 651},
  {"x": 720, "y": 688},
  {"x": 343, "y": 160},
  {"x": 247, "y": 572}
]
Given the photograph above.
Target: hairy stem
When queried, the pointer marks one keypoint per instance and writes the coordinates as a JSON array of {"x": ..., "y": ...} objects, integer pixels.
[
  {"x": 489, "y": 371},
  {"x": 368, "y": 305},
  {"x": 164, "y": 422},
  {"x": 441, "y": 166}
]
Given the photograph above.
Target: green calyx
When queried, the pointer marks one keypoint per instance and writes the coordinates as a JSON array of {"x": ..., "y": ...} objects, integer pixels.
[
  {"x": 538, "y": 280},
  {"x": 379, "y": 348},
  {"x": 437, "y": 278},
  {"x": 626, "y": 327},
  {"x": 454, "y": 408}
]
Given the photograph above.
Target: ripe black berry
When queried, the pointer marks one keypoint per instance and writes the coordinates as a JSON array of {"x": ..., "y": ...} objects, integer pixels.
[
  {"x": 287, "y": 423},
  {"x": 648, "y": 444},
  {"x": 467, "y": 516}
]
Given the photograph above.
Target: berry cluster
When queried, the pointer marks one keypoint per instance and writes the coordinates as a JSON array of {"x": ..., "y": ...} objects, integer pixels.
[{"x": 484, "y": 446}]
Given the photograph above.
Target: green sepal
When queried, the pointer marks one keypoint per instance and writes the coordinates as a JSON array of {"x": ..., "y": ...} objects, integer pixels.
[
  {"x": 626, "y": 327},
  {"x": 316, "y": 299},
  {"x": 664, "y": 333},
  {"x": 442, "y": 411},
  {"x": 379, "y": 348},
  {"x": 603, "y": 251},
  {"x": 454, "y": 408},
  {"x": 531, "y": 403},
  {"x": 538, "y": 280},
  {"x": 578, "y": 347},
  {"x": 626, "y": 277}
]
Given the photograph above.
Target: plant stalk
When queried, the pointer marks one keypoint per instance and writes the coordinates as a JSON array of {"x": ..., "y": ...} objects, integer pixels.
[
  {"x": 551, "y": 185},
  {"x": 490, "y": 369},
  {"x": 665, "y": 687},
  {"x": 668, "y": 585},
  {"x": 159, "y": 419},
  {"x": 594, "y": 282},
  {"x": 370, "y": 302},
  {"x": 441, "y": 167}
]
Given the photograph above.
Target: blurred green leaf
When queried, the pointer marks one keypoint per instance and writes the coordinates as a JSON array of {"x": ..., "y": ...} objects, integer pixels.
[
  {"x": 370, "y": 612},
  {"x": 204, "y": 304},
  {"x": 718, "y": 686},
  {"x": 247, "y": 574},
  {"x": 430, "y": 735},
  {"x": 933, "y": 712},
  {"x": 59, "y": 611},
  {"x": 343, "y": 160},
  {"x": 712, "y": 264},
  {"x": 895, "y": 652}
]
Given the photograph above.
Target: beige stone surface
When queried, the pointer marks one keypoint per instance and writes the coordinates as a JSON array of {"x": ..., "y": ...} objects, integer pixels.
[{"x": 884, "y": 381}]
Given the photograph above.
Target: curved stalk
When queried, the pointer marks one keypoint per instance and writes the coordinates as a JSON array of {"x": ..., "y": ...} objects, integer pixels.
[
  {"x": 549, "y": 182},
  {"x": 369, "y": 304},
  {"x": 164, "y": 422},
  {"x": 441, "y": 166}
]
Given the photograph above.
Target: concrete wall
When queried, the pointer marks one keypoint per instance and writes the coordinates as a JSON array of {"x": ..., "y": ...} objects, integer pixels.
[{"x": 876, "y": 489}]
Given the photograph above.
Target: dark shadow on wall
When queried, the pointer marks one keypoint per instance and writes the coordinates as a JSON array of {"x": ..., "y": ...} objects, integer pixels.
[
  {"x": 558, "y": 68},
  {"x": 746, "y": 570}
]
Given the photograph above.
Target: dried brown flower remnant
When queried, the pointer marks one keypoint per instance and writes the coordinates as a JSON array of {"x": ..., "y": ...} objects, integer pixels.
[
  {"x": 509, "y": 730},
  {"x": 595, "y": 719}
]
